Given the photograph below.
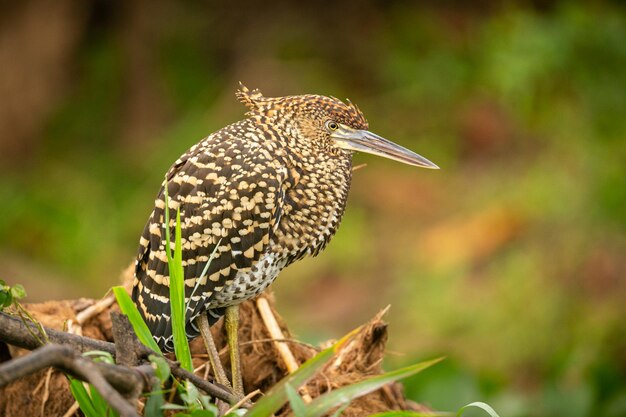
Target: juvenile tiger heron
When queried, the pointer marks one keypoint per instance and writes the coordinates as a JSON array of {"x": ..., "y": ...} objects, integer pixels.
[{"x": 254, "y": 197}]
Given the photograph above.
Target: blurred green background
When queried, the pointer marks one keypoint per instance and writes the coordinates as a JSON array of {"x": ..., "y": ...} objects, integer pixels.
[{"x": 510, "y": 260}]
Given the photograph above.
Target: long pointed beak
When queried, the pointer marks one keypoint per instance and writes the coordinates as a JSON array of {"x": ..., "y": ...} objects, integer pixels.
[{"x": 368, "y": 142}]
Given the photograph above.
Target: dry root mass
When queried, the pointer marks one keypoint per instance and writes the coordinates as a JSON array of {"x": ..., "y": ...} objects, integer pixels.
[{"x": 47, "y": 393}]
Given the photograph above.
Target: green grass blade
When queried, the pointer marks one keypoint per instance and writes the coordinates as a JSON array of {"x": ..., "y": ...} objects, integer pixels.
[
  {"x": 345, "y": 395},
  {"x": 177, "y": 290},
  {"x": 155, "y": 401},
  {"x": 99, "y": 403},
  {"x": 84, "y": 400},
  {"x": 205, "y": 270},
  {"x": 177, "y": 294},
  {"x": 130, "y": 310},
  {"x": 277, "y": 396},
  {"x": 482, "y": 406},
  {"x": 295, "y": 401}
]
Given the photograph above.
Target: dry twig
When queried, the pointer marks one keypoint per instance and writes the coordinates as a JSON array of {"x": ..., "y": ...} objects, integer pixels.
[
  {"x": 68, "y": 360},
  {"x": 276, "y": 333},
  {"x": 14, "y": 332}
]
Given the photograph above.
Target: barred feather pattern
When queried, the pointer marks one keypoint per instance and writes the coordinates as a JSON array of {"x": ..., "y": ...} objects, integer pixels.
[{"x": 254, "y": 197}]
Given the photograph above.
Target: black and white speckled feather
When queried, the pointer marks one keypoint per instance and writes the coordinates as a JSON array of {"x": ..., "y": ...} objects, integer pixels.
[{"x": 258, "y": 194}]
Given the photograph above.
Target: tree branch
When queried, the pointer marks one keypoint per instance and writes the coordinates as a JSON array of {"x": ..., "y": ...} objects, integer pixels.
[
  {"x": 14, "y": 332},
  {"x": 68, "y": 360}
]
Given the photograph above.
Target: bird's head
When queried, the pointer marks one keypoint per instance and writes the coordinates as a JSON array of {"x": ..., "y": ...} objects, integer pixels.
[{"x": 329, "y": 124}]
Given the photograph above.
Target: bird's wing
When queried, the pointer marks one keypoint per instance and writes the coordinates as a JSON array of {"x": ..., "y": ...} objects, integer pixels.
[{"x": 229, "y": 194}]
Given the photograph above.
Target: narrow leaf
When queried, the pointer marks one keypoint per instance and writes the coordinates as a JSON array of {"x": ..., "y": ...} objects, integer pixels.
[
  {"x": 295, "y": 401},
  {"x": 177, "y": 300},
  {"x": 101, "y": 406},
  {"x": 204, "y": 413},
  {"x": 204, "y": 272},
  {"x": 345, "y": 395},
  {"x": 82, "y": 397},
  {"x": 277, "y": 396},
  {"x": 480, "y": 405},
  {"x": 155, "y": 401},
  {"x": 130, "y": 310}
]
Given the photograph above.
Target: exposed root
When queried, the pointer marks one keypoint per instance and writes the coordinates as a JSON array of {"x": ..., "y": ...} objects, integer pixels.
[
  {"x": 73, "y": 409},
  {"x": 46, "y": 391}
]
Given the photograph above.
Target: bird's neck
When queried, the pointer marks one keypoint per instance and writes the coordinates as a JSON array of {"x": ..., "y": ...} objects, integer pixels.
[{"x": 315, "y": 198}]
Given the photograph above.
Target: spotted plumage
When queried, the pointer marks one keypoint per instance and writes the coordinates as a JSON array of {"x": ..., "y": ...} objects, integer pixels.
[{"x": 254, "y": 197}]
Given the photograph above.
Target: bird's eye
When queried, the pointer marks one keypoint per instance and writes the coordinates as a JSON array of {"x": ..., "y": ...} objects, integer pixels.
[{"x": 332, "y": 126}]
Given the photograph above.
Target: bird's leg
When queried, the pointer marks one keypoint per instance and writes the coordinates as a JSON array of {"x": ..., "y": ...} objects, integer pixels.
[
  {"x": 231, "y": 321},
  {"x": 214, "y": 357}
]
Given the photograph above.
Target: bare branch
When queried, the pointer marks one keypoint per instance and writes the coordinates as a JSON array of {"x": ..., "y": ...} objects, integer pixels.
[
  {"x": 94, "y": 309},
  {"x": 126, "y": 343},
  {"x": 212, "y": 389},
  {"x": 13, "y": 331},
  {"x": 68, "y": 360}
]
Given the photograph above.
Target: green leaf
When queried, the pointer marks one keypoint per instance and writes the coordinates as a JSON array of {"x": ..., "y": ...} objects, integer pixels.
[
  {"x": 295, "y": 401},
  {"x": 130, "y": 310},
  {"x": 205, "y": 400},
  {"x": 5, "y": 299},
  {"x": 155, "y": 401},
  {"x": 161, "y": 367},
  {"x": 204, "y": 413},
  {"x": 101, "y": 356},
  {"x": 84, "y": 400},
  {"x": 91, "y": 402},
  {"x": 277, "y": 396},
  {"x": 345, "y": 395},
  {"x": 18, "y": 292},
  {"x": 177, "y": 301},
  {"x": 480, "y": 405},
  {"x": 194, "y": 400},
  {"x": 190, "y": 396},
  {"x": 101, "y": 406},
  {"x": 198, "y": 413},
  {"x": 204, "y": 271}
]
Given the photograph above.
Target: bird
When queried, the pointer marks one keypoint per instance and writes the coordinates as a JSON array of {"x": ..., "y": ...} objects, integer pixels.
[{"x": 254, "y": 197}]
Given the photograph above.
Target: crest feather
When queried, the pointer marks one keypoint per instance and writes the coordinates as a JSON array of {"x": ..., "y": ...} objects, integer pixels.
[{"x": 251, "y": 99}]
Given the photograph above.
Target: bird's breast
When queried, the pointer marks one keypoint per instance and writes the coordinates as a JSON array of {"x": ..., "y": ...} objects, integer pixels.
[
  {"x": 313, "y": 207},
  {"x": 249, "y": 282}
]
